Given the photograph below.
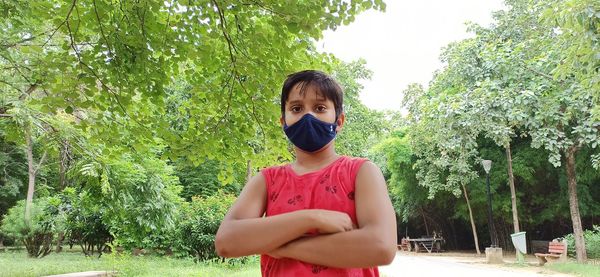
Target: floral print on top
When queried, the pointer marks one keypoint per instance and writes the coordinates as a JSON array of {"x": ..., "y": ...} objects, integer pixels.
[{"x": 330, "y": 188}]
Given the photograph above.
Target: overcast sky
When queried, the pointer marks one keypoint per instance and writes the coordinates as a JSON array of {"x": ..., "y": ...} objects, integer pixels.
[{"x": 402, "y": 45}]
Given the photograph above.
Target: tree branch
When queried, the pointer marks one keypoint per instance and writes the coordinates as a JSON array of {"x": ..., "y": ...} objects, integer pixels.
[
  {"x": 545, "y": 75},
  {"x": 6, "y": 46},
  {"x": 223, "y": 24},
  {"x": 102, "y": 29},
  {"x": 11, "y": 85},
  {"x": 41, "y": 161},
  {"x": 262, "y": 6},
  {"x": 253, "y": 108}
]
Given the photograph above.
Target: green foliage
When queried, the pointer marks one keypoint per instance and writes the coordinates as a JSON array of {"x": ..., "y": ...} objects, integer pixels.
[
  {"x": 408, "y": 197},
  {"x": 38, "y": 235},
  {"x": 499, "y": 84},
  {"x": 520, "y": 83},
  {"x": 592, "y": 242},
  {"x": 110, "y": 64},
  {"x": 195, "y": 233},
  {"x": 13, "y": 166},
  {"x": 135, "y": 196},
  {"x": 120, "y": 94},
  {"x": 364, "y": 127},
  {"x": 83, "y": 222},
  {"x": 576, "y": 34},
  {"x": 203, "y": 180}
]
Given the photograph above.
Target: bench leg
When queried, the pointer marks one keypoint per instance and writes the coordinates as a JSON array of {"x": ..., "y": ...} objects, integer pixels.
[
  {"x": 541, "y": 260},
  {"x": 427, "y": 248}
]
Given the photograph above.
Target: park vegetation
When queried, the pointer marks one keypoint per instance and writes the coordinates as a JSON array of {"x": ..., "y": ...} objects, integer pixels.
[{"x": 132, "y": 125}]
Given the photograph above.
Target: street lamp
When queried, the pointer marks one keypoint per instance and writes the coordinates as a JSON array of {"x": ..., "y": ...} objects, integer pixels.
[{"x": 487, "y": 165}]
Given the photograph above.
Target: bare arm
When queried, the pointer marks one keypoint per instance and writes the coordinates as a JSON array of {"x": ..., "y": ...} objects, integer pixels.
[
  {"x": 373, "y": 243},
  {"x": 245, "y": 232}
]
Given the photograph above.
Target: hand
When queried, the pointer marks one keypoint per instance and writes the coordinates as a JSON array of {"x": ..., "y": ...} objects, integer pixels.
[{"x": 330, "y": 222}]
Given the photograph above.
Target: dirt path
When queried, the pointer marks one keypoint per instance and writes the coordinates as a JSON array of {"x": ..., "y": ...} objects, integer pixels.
[{"x": 422, "y": 265}]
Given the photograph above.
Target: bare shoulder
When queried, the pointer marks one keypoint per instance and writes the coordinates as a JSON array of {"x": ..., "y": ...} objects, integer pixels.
[
  {"x": 369, "y": 172},
  {"x": 373, "y": 205},
  {"x": 251, "y": 202}
]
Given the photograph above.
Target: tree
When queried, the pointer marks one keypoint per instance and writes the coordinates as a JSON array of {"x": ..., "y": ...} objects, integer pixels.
[
  {"x": 104, "y": 66},
  {"x": 445, "y": 145},
  {"x": 511, "y": 80},
  {"x": 562, "y": 119},
  {"x": 113, "y": 60},
  {"x": 364, "y": 127}
]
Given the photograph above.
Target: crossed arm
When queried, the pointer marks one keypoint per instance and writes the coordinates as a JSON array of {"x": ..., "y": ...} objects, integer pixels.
[{"x": 372, "y": 243}]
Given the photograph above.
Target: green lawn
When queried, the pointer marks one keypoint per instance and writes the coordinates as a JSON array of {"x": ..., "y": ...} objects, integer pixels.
[
  {"x": 592, "y": 268},
  {"x": 18, "y": 264}
]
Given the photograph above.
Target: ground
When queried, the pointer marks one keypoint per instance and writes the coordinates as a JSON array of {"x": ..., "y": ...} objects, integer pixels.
[
  {"x": 461, "y": 264},
  {"x": 448, "y": 264}
]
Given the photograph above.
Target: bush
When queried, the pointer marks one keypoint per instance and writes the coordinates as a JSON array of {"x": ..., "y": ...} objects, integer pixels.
[
  {"x": 592, "y": 243},
  {"x": 83, "y": 223},
  {"x": 195, "y": 234},
  {"x": 132, "y": 198},
  {"x": 37, "y": 236}
]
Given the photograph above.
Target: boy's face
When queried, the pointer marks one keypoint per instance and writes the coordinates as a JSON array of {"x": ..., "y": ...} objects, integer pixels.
[{"x": 312, "y": 102}]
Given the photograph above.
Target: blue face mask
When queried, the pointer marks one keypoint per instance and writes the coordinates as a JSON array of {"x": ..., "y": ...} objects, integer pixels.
[{"x": 309, "y": 133}]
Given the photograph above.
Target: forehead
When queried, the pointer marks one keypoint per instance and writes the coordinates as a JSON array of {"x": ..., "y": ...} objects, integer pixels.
[{"x": 303, "y": 91}]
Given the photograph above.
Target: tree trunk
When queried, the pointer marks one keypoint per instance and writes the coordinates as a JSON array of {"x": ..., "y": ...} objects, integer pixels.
[
  {"x": 473, "y": 228},
  {"x": 63, "y": 165},
  {"x": 574, "y": 205},
  {"x": 513, "y": 194},
  {"x": 425, "y": 222},
  {"x": 248, "y": 171},
  {"x": 31, "y": 172},
  {"x": 59, "y": 240}
]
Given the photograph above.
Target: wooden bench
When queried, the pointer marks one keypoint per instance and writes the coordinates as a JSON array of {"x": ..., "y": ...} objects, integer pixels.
[
  {"x": 557, "y": 252},
  {"x": 426, "y": 244}
]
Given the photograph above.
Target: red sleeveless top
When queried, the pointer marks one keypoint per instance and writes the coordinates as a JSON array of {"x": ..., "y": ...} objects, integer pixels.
[{"x": 330, "y": 188}]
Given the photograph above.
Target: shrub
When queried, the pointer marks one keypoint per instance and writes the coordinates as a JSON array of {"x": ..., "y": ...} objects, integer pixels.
[
  {"x": 592, "y": 243},
  {"x": 133, "y": 198},
  {"x": 39, "y": 234},
  {"x": 195, "y": 234},
  {"x": 83, "y": 223}
]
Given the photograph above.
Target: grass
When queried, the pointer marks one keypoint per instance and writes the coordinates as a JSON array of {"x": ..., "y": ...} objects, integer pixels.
[
  {"x": 591, "y": 268},
  {"x": 18, "y": 264}
]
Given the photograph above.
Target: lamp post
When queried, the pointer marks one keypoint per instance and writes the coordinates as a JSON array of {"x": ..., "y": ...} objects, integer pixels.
[{"x": 487, "y": 165}]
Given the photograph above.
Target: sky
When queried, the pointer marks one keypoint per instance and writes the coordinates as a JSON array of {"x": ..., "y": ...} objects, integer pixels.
[{"x": 402, "y": 45}]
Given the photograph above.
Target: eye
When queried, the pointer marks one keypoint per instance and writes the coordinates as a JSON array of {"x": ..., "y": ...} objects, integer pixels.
[
  {"x": 296, "y": 109},
  {"x": 321, "y": 108}
]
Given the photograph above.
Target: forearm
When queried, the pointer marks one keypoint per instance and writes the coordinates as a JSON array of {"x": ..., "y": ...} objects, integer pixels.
[
  {"x": 354, "y": 249},
  {"x": 243, "y": 237}
]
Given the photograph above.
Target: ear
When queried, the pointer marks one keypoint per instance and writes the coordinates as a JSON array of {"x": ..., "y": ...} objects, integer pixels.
[
  {"x": 282, "y": 121},
  {"x": 340, "y": 122}
]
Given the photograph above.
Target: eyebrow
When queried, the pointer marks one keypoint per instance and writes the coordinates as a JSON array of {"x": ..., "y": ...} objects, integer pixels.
[{"x": 294, "y": 102}]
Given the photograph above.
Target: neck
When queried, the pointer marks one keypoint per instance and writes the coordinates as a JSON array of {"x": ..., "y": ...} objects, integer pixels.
[{"x": 316, "y": 160}]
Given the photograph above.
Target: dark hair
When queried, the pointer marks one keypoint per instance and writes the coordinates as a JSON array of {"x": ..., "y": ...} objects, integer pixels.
[{"x": 325, "y": 84}]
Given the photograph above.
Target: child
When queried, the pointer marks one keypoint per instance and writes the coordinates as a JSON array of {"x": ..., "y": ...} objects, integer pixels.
[{"x": 324, "y": 214}]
